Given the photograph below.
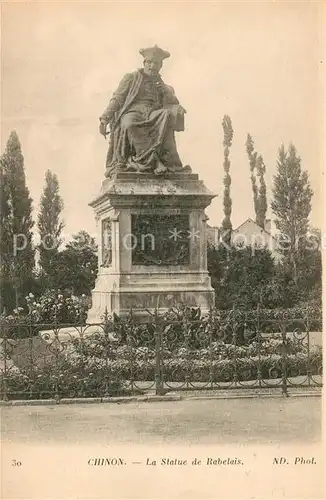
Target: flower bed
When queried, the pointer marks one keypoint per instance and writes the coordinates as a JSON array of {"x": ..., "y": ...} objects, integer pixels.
[{"x": 96, "y": 367}]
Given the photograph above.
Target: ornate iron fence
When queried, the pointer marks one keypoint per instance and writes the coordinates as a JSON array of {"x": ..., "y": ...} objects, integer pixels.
[{"x": 178, "y": 351}]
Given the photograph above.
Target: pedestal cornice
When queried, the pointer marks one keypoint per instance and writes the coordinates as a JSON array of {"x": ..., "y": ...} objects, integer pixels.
[{"x": 141, "y": 190}]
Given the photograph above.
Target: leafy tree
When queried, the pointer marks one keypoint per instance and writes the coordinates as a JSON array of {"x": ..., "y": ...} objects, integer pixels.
[
  {"x": 5, "y": 237},
  {"x": 50, "y": 226},
  {"x": 310, "y": 267},
  {"x": 252, "y": 155},
  {"x": 262, "y": 200},
  {"x": 257, "y": 168},
  {"x": 291, "y": 206},
  {"x": 216, "y": 261},
  {"x": 248, "y": 271},
  {"x": 77, "y": 265},
  {"x": 227, "y": 201},
  {"x": 278, "y": 291},
  {"x": 239, "y": 278},
  {"x": 17, "y": 223}
]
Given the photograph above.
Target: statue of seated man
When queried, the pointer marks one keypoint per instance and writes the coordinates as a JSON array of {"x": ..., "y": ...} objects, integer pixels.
[{"x": 143, "y": 115}]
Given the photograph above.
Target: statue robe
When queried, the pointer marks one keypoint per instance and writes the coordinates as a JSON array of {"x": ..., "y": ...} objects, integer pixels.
[{"x": 146, "y": 114}]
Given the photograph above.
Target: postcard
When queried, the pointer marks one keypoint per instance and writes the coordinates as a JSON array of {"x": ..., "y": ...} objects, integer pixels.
[{"x": 162, "y": 236}]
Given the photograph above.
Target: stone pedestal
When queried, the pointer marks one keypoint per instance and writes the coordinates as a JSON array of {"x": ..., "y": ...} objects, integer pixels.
[{"x": 152, "y": 248}]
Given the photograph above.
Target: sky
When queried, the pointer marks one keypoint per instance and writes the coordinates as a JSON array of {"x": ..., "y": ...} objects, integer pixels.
[{"x": 260, "y": 63}]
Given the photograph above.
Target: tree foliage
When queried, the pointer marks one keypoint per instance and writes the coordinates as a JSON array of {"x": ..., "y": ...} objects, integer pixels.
[
  {"x": 262, "y": 199},
  {"x": 50, "y": 226},
  {"x": 5, "y": 231},
  {"x": 252, "y": 155},
  {"x": 291, "y": 206},
  {"x": 77, "y": 265},
  {"x": 257, "y": 170},
  {"x": 227, "y": 201},
  {"x": 239, "y": 276},
  {"x": 16, "y": 220},
  {"x": 310, "y": 267}
]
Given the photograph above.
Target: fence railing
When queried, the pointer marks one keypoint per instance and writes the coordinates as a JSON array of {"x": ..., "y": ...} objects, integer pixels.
[{"x": 178, "y": 351}]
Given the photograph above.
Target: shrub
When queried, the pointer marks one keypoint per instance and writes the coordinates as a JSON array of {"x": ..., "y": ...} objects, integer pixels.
[
  {"x": 185, "y": 327},
  {"x": 65, "y": 378},
  {"x": 52, "y": 308},
  {"x": 57, "y": 307},
  {"x": 79, "y": 376}
]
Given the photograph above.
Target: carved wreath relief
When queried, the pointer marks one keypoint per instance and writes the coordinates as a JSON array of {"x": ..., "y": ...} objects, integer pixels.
[{"x": 160, "y": 239}]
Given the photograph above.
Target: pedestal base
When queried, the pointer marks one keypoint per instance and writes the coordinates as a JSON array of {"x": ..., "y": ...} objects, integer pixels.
[
  {"x": 155, "y": 290},
  {"x": 152, "y": 250}
]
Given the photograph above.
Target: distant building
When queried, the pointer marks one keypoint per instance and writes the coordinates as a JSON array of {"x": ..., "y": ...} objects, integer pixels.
[{"x": 249, "y": 233}]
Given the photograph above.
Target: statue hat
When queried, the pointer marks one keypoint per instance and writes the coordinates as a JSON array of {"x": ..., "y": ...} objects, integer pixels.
[{"x": 154, "y": 53}]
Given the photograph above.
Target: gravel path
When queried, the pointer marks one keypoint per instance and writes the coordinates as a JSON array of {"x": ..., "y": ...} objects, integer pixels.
[{"x": 230, "y": 421}]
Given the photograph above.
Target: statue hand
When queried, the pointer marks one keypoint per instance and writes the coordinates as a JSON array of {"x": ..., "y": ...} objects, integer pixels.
[{"x": 102, "y": 128}]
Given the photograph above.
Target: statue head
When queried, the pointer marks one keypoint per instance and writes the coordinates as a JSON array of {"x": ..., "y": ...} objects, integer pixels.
[{"x": 153, "y": 59}]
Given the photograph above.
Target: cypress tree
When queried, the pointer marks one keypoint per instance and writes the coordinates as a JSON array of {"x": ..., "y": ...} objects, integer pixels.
[
  {"x": 291, "y": 206},
  {"x": 257, "y": 169},
  {"x": 227, "y": 201},
  {"x": 50, "y": 226},
  {"x": 5, "y": 238},
  {"x": 262, "y": 201},
  {"x": 252, "y": 155},
  {"x": 17, "y": 220}
]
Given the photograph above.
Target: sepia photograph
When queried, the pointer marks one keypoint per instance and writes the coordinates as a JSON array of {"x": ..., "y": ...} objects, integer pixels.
[{"x": 162, "y": 233}]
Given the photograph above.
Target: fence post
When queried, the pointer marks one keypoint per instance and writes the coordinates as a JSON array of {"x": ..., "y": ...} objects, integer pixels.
[
  {"x": 234, "y": 343},
  {"x": 158, "y": 356},
  {"x": 31, "y": 370},
  {"x": 106, "y": 340},
  {"x": 56, "y": 329},
  {"x": 133, "y": 344},
  {"x": 258, "y": 338},
  {"x": 4, "y": 391},
  {"x": 210, "y": 342},
  {"x": 309, "y": 370},
  {"x": 284, "y": 362}
]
